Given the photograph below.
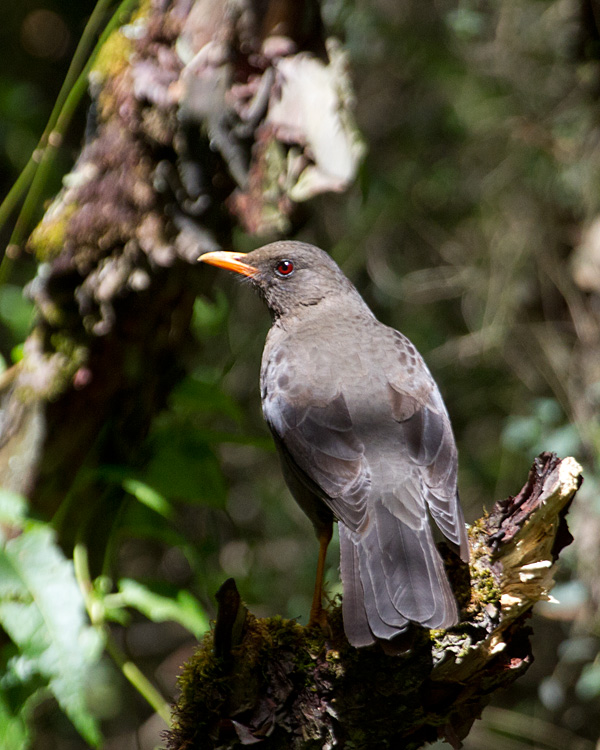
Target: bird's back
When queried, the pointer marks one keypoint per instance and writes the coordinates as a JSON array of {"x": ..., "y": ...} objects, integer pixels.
[{"x": 358, "y": 413}]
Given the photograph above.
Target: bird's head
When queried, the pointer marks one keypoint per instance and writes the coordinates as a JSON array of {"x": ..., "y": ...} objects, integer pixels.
[{"x": 288, "y": 275}]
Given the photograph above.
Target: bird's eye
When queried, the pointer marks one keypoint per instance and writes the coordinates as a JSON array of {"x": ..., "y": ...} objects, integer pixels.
[{"x": 284, "y": 268}]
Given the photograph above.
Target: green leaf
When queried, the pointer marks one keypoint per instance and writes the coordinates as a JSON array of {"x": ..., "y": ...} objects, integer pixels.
[
  {"x": 14, "y": 734},
  {"x": 209, "y": 318},
  {"x": 564, "y": 441},
  {"x": 195, "y": 395},
  {"x": 548, "y": 411},
  {"x": 139, "y": 523},
  {"x": 181, "y": 607},
  {"x": 148, "y": 497},
  {"x": 184, "y": 467},
  {"x": 42, "y": 611},
  {"x": 13, "y": 508}
]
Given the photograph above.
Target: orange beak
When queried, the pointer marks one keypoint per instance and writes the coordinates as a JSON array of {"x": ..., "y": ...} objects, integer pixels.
[{"x": 230, "y": 261}]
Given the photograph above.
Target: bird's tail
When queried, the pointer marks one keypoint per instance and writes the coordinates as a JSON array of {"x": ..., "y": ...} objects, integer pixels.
[{"x": 392, "y": 574}]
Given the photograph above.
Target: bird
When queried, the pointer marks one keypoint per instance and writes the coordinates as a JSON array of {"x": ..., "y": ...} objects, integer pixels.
[{"x": 364, "y": 439}]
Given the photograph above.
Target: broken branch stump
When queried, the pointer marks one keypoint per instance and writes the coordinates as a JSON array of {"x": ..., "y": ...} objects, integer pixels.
[{"x": 283, "y": 686}]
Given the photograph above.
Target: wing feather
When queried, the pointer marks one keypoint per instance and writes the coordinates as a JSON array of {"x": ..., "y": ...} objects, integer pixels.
[
  {"x": 391, "y": 570},
  {"x": 426, "y": 434},
  {"x": 325, "y": 451}
]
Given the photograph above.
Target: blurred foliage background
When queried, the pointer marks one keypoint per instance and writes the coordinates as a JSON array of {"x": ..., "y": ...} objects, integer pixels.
[{"x": 475, "y": 229}]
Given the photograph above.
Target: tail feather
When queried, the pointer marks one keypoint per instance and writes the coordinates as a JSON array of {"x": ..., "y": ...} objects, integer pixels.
[
  {"x": 384, "y": 619},
  {"x": 392, "y": 574},
  {"x": 404, "y": 552},
  {"x": 356, "y": 623}
]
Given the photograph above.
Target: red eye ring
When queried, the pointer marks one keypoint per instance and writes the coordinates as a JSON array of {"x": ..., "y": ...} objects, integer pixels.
[{"x": 284, "y": 268}]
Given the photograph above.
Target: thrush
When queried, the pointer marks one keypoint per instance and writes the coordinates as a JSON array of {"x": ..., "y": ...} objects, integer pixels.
[{"x": 363, "y": 437}]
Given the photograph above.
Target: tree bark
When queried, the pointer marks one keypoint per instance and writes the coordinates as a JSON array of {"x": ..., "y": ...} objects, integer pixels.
[
  {"x": 202, "y": 121},
  {"x": 273, "y": 682}
]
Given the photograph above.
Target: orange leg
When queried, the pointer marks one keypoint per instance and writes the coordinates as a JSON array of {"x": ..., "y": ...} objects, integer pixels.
[{"x": 317, "y": 614}]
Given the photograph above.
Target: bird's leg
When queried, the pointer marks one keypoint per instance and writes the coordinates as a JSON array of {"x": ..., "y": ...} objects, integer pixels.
[{"x": 317, "y": 614}]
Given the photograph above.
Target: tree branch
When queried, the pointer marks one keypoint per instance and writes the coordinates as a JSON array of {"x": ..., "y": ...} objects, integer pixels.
[{"x": 287, "y": 687}]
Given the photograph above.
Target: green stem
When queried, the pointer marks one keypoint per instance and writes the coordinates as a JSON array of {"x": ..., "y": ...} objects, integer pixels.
[
  {"x": 76, "y": 66},
  {"x": 9, "y": 204},
  {"x": 14, "y": 194},
  {"x": 82, "y": 576},
  {"x": 130, "y": 670},
  {"x": 139, "y": 681}
]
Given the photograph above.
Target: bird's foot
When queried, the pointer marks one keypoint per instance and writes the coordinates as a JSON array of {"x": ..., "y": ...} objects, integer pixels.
[{"x": 318, "y": 619}]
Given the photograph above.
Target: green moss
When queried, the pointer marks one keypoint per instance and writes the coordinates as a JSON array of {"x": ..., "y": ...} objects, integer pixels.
[
  {"x": 211, "y": 687},
  {"x": 272, "y": 651},
  {"x": 280, "y": 662},
  {"x": 436, "y": 636},
  {"x": 484, "y": 585},
  {"x": 63, "y": 344},
  {"x": 204, "y": 690},
  {"x": 51, "y": 372},
  {"x": 143, "y": 10},
  {"x": 48, "y": 238},
  {"x": 112, "y": 57}
]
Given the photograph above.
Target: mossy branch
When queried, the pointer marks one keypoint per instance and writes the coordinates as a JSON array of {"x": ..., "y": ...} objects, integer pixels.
[
  {"x": 32, "y": 180},
  {"x": 288, "y": 687}
]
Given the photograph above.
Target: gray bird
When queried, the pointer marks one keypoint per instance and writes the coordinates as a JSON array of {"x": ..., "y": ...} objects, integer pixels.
[{"x": 363, "y": 437}]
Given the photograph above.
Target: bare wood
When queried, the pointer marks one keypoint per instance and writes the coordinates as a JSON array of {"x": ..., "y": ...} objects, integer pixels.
[{"x": 291, "y": 687}]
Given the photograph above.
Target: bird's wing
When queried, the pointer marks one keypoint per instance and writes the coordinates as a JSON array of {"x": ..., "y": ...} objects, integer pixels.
[
  {"x": 427, "y": 438},
  {"x": 318, "y": 436}
]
